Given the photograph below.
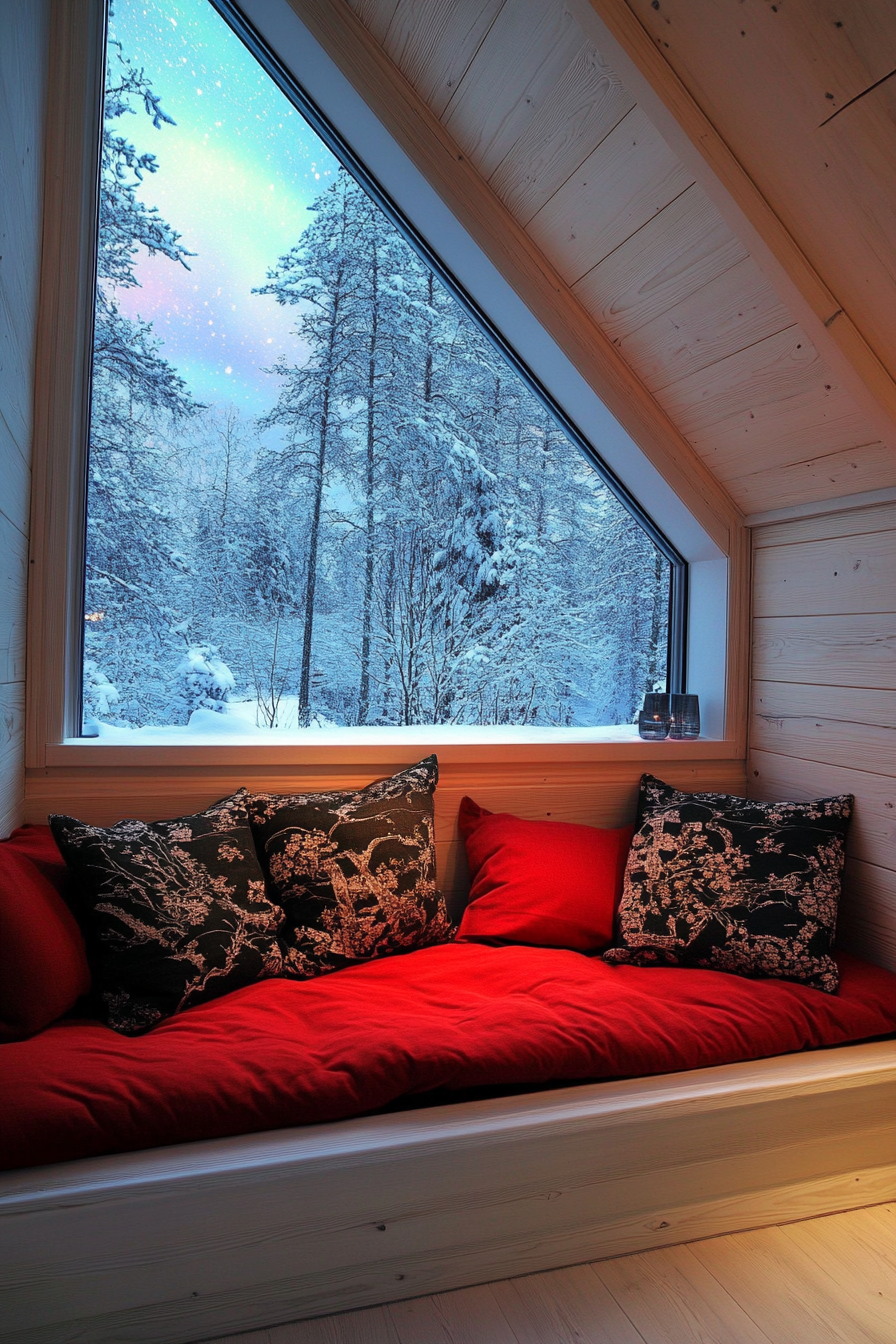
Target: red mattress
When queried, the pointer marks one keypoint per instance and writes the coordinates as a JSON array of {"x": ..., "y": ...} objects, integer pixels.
[{"x": 453, "y": 1017}]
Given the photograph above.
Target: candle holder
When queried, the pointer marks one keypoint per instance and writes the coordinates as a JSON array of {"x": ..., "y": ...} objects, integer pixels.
[
  {"x": 653, "y": 720},
  {"x": 653, "y": 728},
  {"x": 684, "y": 717}
]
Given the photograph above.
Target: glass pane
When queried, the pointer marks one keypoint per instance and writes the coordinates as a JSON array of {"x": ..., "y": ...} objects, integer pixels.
[{"x": 317, "y": 494}]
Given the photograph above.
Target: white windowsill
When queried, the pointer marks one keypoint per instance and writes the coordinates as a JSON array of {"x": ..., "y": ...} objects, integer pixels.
[{"x": 399, "y": 746}]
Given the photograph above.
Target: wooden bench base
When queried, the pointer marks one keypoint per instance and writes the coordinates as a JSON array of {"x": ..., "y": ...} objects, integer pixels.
[{"x": 178, "y": 1244}]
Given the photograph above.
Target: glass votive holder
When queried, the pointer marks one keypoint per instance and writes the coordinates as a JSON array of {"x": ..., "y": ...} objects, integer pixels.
[
  {"x": 652, "y": 727},
  {"x": 657, "y": 702},
  {"x": 684, "y": 716}
]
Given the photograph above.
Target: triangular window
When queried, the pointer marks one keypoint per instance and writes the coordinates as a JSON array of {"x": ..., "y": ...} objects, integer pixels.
[{"x": 321, "y": 492}]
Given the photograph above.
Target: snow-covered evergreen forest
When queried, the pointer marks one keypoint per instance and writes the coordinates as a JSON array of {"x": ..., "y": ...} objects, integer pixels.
[{"x": 404, "y": 537}]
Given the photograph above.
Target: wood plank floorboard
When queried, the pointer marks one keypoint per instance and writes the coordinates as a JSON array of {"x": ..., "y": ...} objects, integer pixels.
[{"x": 823, "y": 1281}]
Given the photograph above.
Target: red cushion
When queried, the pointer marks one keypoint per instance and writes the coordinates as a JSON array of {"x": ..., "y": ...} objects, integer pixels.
[
  {"x": 286, "y": 1052},
  {"x": 43, "y": 965},
  {"x": 549, "y": 883}
]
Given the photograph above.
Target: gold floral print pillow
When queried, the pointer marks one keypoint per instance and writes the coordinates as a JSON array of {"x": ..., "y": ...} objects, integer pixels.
[
  {"x": 175, "y": 912},
  {"x": 354, "y": 871},
  {"x": 732, "y": 884}
]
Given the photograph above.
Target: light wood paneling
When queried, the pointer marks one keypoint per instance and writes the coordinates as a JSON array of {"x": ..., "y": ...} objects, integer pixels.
[
  {"x": 20, "y": 109},
  {"x": 523, "y": 56},
  {"x": 822, "y": 508},
  {"x": 583, "y": 107},
  {"x": 842, "y": 576},
  {"x": 773, "y": 370},
  {"x": 834, "y": 724},
  {"x": 769, "y": 80},
  {"x": 376, "y": 15},
  {"x": 872, "y": 832},
  {"x": 867, "y": 921},
  {"x": 612, "y": 25},
  {"x": 820, "y": 420},
  {"x": 627, "y": 179},
  {"x": 690, "y": 337},
  {"x": 852, "y": 523},
  {"x": 434, "y": 43},
  {"x": 12, "y": 728},
  {"x": 591, "y": 794},
  {"x": 824, "y": 694},
  {"x": 839, "y": 704},
  {"x": 680, "y": 250},
  {"x": 685, "y": 246},
  {"x": 826, "y": 650},
  {"x": 12, "y": 753},
  {"x": 804, "y": 482},
  {"x": 16, "y": 477}
]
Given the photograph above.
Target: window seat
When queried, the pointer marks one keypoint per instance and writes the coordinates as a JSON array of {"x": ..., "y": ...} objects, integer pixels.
[
  {"x": 236, "y": 1166},
  {"x": 183, "y": 1242},
  {"x": 456, "y": 1016},
  {"x": 189, "y": 1239}
]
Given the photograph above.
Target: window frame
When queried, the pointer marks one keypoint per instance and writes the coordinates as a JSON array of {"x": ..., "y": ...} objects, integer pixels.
[{"x": 62, "y": 388}]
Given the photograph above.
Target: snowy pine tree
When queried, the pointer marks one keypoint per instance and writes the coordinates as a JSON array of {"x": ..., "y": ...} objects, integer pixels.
[
  {"x": 135, "y": 560},
  {"x": 406, "y": 536}
]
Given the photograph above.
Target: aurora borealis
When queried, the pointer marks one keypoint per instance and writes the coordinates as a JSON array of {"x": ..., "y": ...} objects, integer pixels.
[{"x": 235, "y": 177}]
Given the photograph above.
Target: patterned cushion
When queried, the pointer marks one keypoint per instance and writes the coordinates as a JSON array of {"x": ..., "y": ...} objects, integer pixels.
[
  {"x": 354, "y": 871},
  {"x": 733, "y": 884},
  {"x": 177, "y": 910}
]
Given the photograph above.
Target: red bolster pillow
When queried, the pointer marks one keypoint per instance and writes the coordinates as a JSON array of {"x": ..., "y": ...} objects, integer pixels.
[
  {"x": 547, "y": 883},
  {"x": 43, "y": 963}
]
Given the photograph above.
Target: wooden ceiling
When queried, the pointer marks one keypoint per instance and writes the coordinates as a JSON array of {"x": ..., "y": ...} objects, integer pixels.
[
  {"x": 562, "y": 143},
  {"x": 804, "y": 93}
]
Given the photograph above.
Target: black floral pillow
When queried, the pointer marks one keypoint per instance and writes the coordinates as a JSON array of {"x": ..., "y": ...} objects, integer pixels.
[
  {"x": 355, "y": 872},
  {"x": 176, "y": 911},
  {"x": 733, "y": 884}
]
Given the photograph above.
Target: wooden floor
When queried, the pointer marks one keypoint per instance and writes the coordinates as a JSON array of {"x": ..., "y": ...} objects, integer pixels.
[{"x": 826, "y": 1281}]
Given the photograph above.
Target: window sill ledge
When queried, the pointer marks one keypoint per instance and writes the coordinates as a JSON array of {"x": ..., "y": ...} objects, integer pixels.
[{"x": 394, "y": 747}]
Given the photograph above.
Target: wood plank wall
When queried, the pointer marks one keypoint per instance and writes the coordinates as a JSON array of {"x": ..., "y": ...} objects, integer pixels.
[
  {"x": 824, "y": 693},
  {"x": 592, "y": 793},
  {"x": 23, "y": 61}
]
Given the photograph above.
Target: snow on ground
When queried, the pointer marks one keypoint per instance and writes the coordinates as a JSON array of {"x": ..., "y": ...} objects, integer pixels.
[{"x": 237, "y": 724}]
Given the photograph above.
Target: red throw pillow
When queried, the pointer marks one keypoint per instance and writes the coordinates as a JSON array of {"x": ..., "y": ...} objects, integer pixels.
[
  {"x": 43, "y": 964},
  {"x": 549, "y": 883}
]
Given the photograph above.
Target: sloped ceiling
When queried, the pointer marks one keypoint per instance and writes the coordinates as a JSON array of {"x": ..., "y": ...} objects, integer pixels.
[
  {"x": 565, "y": 147},
  {"x": 804, "y": 93}
]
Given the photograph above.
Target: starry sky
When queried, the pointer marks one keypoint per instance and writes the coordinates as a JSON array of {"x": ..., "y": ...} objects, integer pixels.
[{"x": 235, "y": 177}]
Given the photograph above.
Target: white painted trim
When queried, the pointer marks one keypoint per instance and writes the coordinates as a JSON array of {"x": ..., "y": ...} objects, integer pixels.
[
  {"x": 866, "y": 499},
  {"x": 181, "y": 1243}
]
